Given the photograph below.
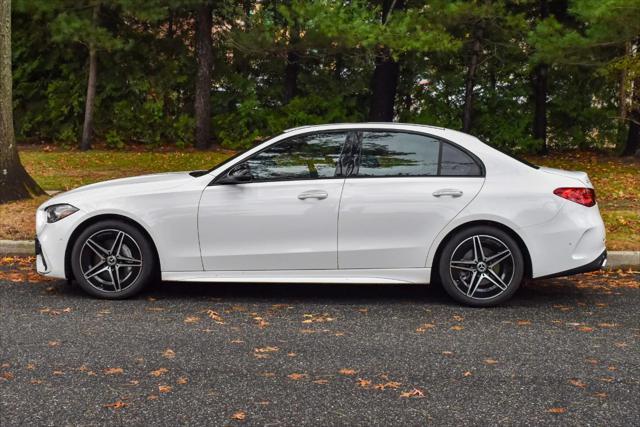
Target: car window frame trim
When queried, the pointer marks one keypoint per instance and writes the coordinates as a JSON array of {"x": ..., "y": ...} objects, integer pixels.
[{"x": 440, "y": 139}]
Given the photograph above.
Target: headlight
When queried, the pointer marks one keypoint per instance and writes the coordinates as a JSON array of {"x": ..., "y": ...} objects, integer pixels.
[{"x": 57, "y": 212}]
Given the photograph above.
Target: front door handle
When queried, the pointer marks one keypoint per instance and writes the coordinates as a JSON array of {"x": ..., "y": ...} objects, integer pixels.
[
  {"x": 313, "y": 194},
  {"x": 447, "y": 192}
]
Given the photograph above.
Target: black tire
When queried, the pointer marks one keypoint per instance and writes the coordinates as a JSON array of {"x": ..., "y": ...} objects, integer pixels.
[
  {"x": 471, "y": 281},
  {"x": 97, "y": 276}
]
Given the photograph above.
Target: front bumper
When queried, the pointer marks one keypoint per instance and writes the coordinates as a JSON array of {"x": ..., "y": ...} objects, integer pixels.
[{"x": 594, "y": 265}]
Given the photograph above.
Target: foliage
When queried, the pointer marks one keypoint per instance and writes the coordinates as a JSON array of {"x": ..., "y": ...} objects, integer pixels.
[{"x": 146, "y": 75}]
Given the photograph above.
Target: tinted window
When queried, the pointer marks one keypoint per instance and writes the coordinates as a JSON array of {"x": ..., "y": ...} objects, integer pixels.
[
  {"x": 456, "y": 162},
  {"x": 301, "y": 157},
  {"x": 398, "y": 154}
]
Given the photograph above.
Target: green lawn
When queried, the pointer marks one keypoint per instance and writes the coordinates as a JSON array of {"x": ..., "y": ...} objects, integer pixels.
[
  {"x": 63, "y": 170},
  {"x": 617, "y": 182}
]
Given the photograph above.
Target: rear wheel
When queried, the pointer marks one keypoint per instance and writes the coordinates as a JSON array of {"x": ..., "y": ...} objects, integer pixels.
[
  {"x": 113, "y": 260},
  {"x": 481, "y": 266}
]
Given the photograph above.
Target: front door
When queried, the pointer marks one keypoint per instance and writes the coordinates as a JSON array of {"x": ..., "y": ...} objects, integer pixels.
[
  {"x": 406, "y": 189},
  {"x": 285, "y": 217}
]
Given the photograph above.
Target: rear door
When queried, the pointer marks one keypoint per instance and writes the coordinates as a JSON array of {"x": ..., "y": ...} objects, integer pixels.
[{"x": 405, "y": 189}]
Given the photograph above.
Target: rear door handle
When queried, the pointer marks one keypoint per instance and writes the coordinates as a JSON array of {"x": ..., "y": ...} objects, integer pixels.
[
  {"x": 447, "y": 192},
  {"x": 313, "y": 194}
]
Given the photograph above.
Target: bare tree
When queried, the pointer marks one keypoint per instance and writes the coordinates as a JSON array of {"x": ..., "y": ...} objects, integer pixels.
[{"x": 15, "y": 182}]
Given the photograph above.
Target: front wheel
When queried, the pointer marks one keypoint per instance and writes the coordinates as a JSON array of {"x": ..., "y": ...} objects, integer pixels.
[
  {"x": 481, "y": 266},
  {"x": 112, "y": 260}
]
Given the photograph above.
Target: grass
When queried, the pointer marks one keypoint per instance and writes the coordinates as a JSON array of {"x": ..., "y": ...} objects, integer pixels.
[
  {"x": 617, "y": 182},
  {"x": 64, "y": 170}
]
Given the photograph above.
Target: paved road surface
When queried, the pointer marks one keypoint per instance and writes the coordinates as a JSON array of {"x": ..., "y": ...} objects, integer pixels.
[{"x": 562, "y": 352}]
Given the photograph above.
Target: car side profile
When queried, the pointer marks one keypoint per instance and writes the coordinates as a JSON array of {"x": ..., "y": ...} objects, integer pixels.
[{"x": 340, "y": 203}]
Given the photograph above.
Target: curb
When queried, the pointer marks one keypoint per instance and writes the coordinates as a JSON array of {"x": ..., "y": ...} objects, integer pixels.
[{"x": 615, "y": 259}]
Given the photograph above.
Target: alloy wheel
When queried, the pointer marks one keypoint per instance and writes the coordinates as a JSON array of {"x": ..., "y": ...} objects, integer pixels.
[
  {"x": 482, "y": 267},
  {"x": 110, "y": 260}
]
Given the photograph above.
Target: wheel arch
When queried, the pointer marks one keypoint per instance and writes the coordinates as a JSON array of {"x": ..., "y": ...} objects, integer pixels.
[
  {"x": 68, "y": 271},
  {"x": 521, "y": 244}
]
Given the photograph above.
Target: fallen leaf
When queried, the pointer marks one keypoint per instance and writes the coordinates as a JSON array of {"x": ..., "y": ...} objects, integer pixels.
[
  {"x": 164, "y": 388},
  {"x": 215, "y": 317},
  {"x": 425, "y": 327},
  {"x": 391, "y": 384},
  {"x": 345, "y": 371},
  {"x": 490, "y": 361},
  {"x": 54, "y": 343},
  {"x": 239, "y": 416},
  {"x": 457, "y": 328},
  {"x": 467, "y": 374},
  {"x": 159, "y": 372},
  {"x": 191, "y": 319},
  {"x": 113, "y": 371},
  {"x": 557, "y": 410},
  {"x": 577, "y": 383},
  {"x": 585, "y": 329},
  {"x": 182, "y": 380},
  {"x": 169, "y": 354},
  {"x": 364, "y": 383},
  {"x": 321, "y": 381},
  {"x": 7, "y": 376},
  {"x": 116, "y": 405},
  {"x": 296, "y": 376},
  {"x": 600, "y": 395},
  {"x": 153, "y": 397},
  {"x": 267, "y": 349},
  {"x": 523, "y": 322},
  {"x": 413, "y": 393},
  {"x": 458, "y": 318}
]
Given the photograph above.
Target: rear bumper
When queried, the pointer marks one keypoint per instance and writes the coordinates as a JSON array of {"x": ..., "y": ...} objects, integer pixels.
[{"x": 594, "y": 265}]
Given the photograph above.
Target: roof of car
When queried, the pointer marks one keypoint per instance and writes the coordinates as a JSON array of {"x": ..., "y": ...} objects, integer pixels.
[{"x": 390, "y": 125}]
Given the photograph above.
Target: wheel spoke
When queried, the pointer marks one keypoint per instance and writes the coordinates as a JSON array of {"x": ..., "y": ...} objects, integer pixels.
[
  {"x": 474, "y": 283},
  {"x": 99, "y": 250},
  {"x": 117, "y": 244},
  {"x": 114, "y": 282},
  {"x": 495, "y": 279},
  {"x": 462, "y": 265},
  {"x": 129, "y": 262},
  {"x": 116, "y": 276},
  {"x": 478, "y": 253},
  {"x": 498, "y": 258},
  {"x": 101, "y": 267}
]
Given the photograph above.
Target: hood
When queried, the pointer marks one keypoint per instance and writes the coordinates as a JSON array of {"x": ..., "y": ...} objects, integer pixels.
[
  {"x": 581, "y": 176},
  {"x": 117, "y": 187}
]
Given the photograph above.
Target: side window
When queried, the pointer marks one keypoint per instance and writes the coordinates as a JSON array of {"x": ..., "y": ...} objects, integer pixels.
[
  {"x": 301, "y": 157},
  {"x": 398, "y": 154},
  {"x": 456, "y": 162}
]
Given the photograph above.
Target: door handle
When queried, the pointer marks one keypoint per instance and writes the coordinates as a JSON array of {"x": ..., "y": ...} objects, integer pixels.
[
  {"x": 447, "y": 192},
  {"x": 313, "y": 194}
]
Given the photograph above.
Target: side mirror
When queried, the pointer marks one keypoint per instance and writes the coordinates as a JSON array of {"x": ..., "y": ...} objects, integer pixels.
[{"x": 237, "y": 175}]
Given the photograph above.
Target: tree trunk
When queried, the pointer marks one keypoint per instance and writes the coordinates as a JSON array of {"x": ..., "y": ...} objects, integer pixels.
[
  {"x": 384, "y": 88},
  {"x": 632, "y": 145},
  {"x": 87, "y": 128},
  {"x": 291, "y": 72},
  {"x": 384, "y": 83},
  {"x": 539, "y": 81},
  {"x": 15, "y": 182},
  {"x": 203, "y": 80},
  {"x": 540, "y": 93},
  {"x": 470, "y": 81}
]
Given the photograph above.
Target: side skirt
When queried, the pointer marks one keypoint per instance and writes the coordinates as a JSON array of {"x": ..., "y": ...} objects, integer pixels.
[{"x": 395, "y": 275}]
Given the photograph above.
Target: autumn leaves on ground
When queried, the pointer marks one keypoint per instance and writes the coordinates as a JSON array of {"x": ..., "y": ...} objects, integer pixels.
[
  {"x": 617, "y": 182},
  {"x": 563, "y": 351}
]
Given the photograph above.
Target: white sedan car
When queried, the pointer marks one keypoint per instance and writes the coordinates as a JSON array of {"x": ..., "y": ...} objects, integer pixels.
[{"x": 342, "y": 203}]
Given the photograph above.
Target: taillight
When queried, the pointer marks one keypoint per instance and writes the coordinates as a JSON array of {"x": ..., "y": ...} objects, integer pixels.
[{"x": 583, "y": 196}]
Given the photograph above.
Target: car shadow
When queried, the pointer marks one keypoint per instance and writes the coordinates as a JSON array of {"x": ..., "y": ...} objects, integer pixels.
[{"x": 533, "y": 293}]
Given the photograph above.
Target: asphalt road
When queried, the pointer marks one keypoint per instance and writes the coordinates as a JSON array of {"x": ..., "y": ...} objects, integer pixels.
[{"x": 561, "y": 352}]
